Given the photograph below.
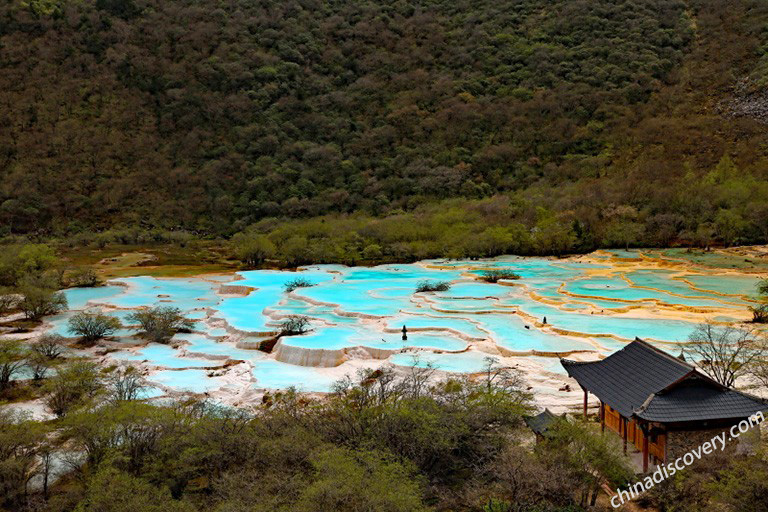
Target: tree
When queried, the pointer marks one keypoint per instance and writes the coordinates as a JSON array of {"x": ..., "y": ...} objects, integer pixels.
[
  {"x": 93, "y": 325},
  {"x": 294, "y": 325},
  {"x": 299, "y": 282},
  {"x": 743, "y": 486},
  {"x": 760, "y": 312},
  {"x": 726, "y": 353},
  {"x": 501, "y": 378},
  {"x": 42, "y": 354},
  {"x": 126, "y": 384},
  {"x": 372, "y": 252},
  {"x": 74, "y": 385},
  {"x": 496, "y": 275},
  {"x": 11, "y": 361},
  {"x": 8, "y": 301},
  {"x": 39, "y": 302},
  {"x": 253, "y": 250},
  {"x": 528, "y": 480},
  {"x": 296, "y": 251},
  {"x": 20, "y": 438},
  {"x": 350, "y": 481},
  {"x": 84, "y": 277},
  {"x": 593, "y": 459},
  {"x": 432, "y": 286},
  {"x": 729, "y": 225},
  {"x": 623, "y": 233},
  {"x": 38, "y": 364},
  {"x": 50, "y": 346},
  {"x": 21, "y": 261},
  {"x": 554, "y": 237},
  {"x": 160, "y": 323},
  {"x": 111, "y": 490}
]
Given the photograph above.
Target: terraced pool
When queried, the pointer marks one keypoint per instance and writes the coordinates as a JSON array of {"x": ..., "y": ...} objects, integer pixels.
[{"x": 558, "y": 306}]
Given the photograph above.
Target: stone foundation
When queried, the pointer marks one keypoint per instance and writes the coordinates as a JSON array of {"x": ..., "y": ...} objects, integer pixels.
[{"x": 679, "y": 442}]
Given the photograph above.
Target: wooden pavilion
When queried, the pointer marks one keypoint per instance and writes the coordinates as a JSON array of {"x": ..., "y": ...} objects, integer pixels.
[
  {"x": 658, "y": 402},
  {"x": 541, "y": 423}
]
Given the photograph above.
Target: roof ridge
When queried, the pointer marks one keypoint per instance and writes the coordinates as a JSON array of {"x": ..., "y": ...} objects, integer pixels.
[
  {"x": 659, "y": 415},
  {"x": 572, "y": 362},
  {"x": 645, "y": 404},
  {"x": 749, "y": 395},
  {"x": 667, "y": 355}
]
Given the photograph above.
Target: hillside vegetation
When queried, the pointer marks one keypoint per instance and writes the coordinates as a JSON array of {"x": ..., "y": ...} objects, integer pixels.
[{"x": 535, "y": 126}]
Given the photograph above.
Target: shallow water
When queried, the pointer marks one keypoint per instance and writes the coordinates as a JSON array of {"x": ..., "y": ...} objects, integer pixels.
[
  {"x": 162, "y": 355},
  {"x": 467, "y": 362},
  {"x": 353, "y": 309},
  {"x": 195, "y": 381},
  {"x": 270, "y": 374}
]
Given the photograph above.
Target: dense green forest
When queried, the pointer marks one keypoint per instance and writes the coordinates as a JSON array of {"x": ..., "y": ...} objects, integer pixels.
[{"x": 540, "y": 126}]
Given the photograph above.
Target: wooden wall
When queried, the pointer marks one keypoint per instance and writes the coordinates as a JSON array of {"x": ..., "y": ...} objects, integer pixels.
[{"x": 614, "y": 421}]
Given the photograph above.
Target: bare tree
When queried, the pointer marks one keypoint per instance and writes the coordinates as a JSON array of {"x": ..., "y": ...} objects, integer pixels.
[
  {"x": 760, "y": 312},
  {"x": 160, "y": 323},
  {"x": 496, "y": 376},
  {"x": 8, "y": 301},
  {"x": 93, "y": 325},
  {"x": 294, "y": 325},
  {"x": 38, "y": 364},
  {"x": 11, "y": 361},
  {"x": 126, "y": 384},
  {"x": 418, "y": 377},
  {"x": 726, "y": 353},
  {"x": 50, "y": 346}
]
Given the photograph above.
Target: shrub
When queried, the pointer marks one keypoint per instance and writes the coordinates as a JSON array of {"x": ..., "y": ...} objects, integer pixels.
[
  {"x": 11, "y": 361},
  {"x": 372, "y": 252},
  {"x": 39, "y": 302},
  {"x": 38, "y": 364},
  {"x": 92, "y": 325},
  {"x": 73, "y": 386},
  {"x": 84, "y": 278},
  {"x": 433, "y": 286},
  {"x": 294, "y": 325},
  {"x": 111, "y": 490},
  {"x": 50, "y": 346},
  {"x": 759, "y": 313},
  {"x": 126, "y": 384},
  {"x": 252, "y": 250},
  {"x": 160, "y": 323},
  {"x": 8, "y": 301},
  {"x": 299, "y": 282},
  {"x": 347, "y": 480},
  {"x": 494, "y": 276}
]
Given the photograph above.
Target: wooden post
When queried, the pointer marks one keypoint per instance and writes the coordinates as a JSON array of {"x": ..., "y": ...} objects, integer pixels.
[
  {"x": 645, "y": 450},
  {"x": 586, "y": 393},
  {"x": 624, "y": 424},
  {"x": 602, "y": 417}
]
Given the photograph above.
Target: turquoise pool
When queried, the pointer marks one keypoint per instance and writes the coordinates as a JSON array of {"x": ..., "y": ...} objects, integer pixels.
[{"x": 351, "y": 307}]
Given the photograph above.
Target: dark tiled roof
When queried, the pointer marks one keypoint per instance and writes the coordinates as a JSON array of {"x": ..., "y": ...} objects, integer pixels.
[
  {"x": 646, "y": 382},
  {"x": 541, "y": 422},
  {"x": 626, "y": 378},
  {"x": 698, "y": 401}
]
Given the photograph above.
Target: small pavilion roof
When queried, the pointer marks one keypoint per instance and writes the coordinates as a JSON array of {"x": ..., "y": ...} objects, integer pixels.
[{"x": 541, "y": 422}]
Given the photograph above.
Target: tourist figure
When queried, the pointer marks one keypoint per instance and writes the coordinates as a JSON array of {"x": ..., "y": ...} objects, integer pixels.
[
  {"x": 405, "y": 334},
  {"x": 545, "y": 320}
]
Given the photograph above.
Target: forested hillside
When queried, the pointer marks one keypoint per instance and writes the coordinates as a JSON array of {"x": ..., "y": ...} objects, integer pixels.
[{"x": 538, "y": 125}]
